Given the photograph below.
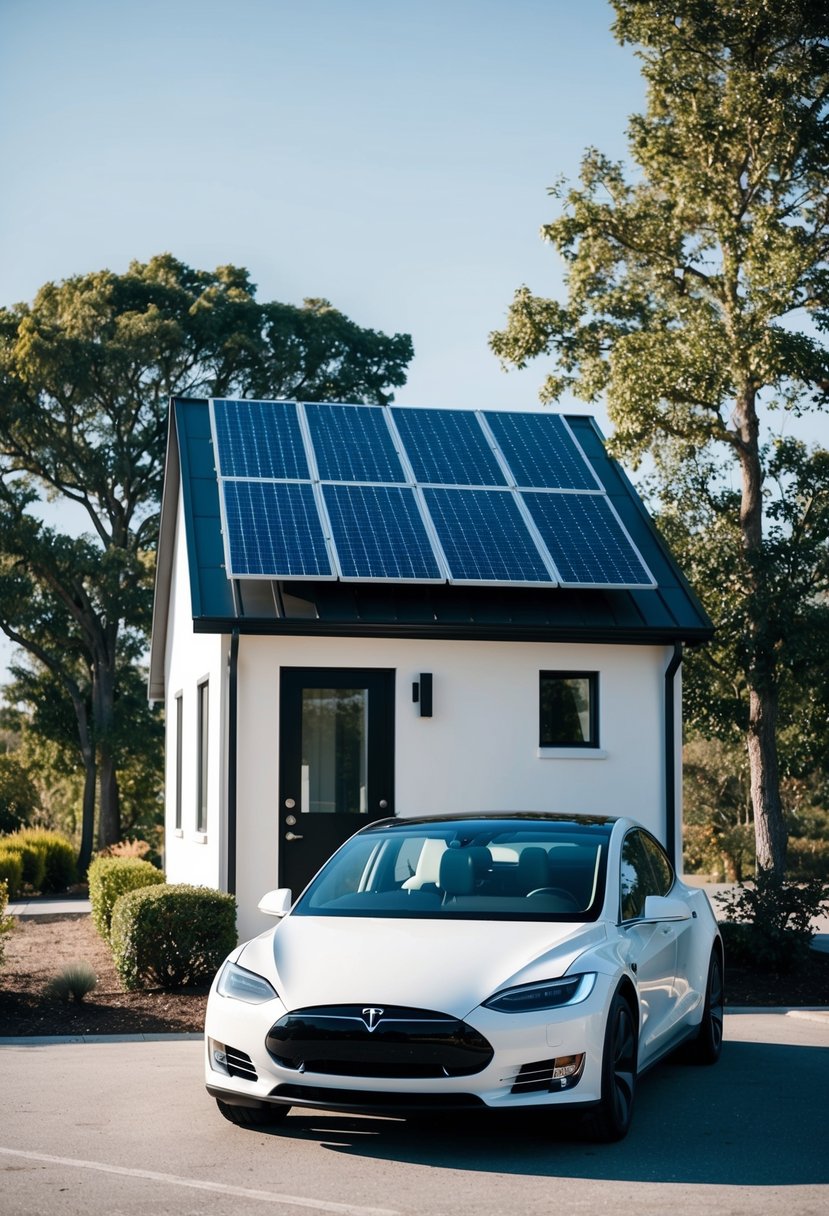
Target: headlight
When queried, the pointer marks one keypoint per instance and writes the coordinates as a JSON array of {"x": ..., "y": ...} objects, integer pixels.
[
  {"x": 244, "y": 985},
  {"x": 526, "y": 998}
]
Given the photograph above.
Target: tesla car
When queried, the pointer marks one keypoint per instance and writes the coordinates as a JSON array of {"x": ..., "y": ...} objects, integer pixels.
[{"x": 470, "y": 962}]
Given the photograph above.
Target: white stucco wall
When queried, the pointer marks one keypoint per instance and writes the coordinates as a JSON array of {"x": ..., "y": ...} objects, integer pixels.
[
  {"x": 191, "y": 658},
  {"x": 479, "y": 751}
]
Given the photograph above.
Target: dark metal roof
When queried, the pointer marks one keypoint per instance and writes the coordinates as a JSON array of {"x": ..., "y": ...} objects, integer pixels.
[{"x": 670, "y": 613}]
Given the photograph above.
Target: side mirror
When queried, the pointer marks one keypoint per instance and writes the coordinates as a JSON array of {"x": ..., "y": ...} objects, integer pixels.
[
  {"x": 662, "y": 907},
  {"x": 276, "y": 903}
]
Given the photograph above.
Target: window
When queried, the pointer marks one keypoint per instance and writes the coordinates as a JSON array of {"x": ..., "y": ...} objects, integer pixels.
[
  {"x": 569, "y": 709},
  {"x": 201, "y": 804},
  {"x": 645, "y": 871},
  {"x": 179, "y": 757}
]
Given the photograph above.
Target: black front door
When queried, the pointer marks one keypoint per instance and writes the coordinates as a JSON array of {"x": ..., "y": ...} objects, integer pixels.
[{"x": 336, "y": 762}]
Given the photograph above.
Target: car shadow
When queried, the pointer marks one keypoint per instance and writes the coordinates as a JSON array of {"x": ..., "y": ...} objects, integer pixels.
[{"x": 756, "y": 1119}]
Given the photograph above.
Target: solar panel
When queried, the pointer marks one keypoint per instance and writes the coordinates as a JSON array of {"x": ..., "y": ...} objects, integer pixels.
[
  {"x": 541, "y": 451},
  {"x": 353, "y": 444},
  {"x": 291, "y": 474},
  {"x": 273, "y": 530},
  {"x": 448, "y": 447},
  {"x": 378, "y": 534},
  {"x": 259, "y": 439},
  {"x": 485, "y": 538},
  {"x": 586, "y": 541}
]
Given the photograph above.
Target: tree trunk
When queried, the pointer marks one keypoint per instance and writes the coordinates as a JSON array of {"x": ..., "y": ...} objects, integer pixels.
[
  {"x": 769, "y": 827},
  {"x": 103, "y": 700}
]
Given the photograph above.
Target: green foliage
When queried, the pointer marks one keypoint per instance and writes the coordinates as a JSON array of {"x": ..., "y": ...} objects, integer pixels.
[
  {"x": 11, "y": 870},
  {"x": 60, "y": 871},
  {"x": 768, "y": 925},
  {"x": 74, "y": 982},
  {"x": 19, "y": 799},
  {"x": 6, "y": 922},
  {"x": 172, "y": 936},
  {"x": 32, "y": 859},
  {"x": 697, "y": 303},
  {"x": 111, "y": 877},
  {"x": 86, "y": 373}
]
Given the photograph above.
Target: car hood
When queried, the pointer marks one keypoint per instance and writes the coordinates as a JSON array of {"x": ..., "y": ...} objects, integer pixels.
[{"x": 451, "y": 966}]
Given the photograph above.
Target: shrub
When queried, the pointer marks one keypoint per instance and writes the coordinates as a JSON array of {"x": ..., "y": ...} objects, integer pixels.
[
  {"x": 60, "y": 870},
  {"x": 11, "y": 870},
  {"x": 769, "y": 924},
  {"x": 32, "y": 859},
  {"x": 6, "y": 922},
  {"x": 111, "y": 877},
  {"x": 171, "y": 936},
  {"x": 75, "y": 981}
]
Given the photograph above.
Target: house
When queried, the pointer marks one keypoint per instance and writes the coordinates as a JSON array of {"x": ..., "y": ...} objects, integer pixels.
[{"x": 364, "y": 611}]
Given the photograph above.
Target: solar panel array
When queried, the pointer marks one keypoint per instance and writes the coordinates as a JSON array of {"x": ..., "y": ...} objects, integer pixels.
[{"x": 376, "y": 493}]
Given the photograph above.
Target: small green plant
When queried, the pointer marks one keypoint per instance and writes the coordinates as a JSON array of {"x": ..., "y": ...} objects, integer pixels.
[
  {"x": 6, "y": 922},
  {"x": 32, "y": 859},
  {"x": 171, "y": 936},
  {"x": 768, "y": 925},
  {"x": 73, "y": 983},
  {"x": 111, "y": 877}
]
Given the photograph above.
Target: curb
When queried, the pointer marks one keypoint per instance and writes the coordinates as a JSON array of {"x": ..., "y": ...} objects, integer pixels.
[{"x": 49, "y": 1040}]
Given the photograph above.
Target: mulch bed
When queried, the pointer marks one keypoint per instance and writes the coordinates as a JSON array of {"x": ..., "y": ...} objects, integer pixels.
[{"x": 40, "y": 947}]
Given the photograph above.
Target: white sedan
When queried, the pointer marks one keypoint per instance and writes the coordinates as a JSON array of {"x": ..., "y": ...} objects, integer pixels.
[{"x": 495, "y": 961}]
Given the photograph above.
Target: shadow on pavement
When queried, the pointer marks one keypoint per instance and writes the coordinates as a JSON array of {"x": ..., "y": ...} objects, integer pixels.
[{"x": 755, "y": 1119}]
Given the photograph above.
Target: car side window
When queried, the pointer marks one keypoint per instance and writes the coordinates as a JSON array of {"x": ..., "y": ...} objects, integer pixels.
[
  {"x": 637, "y": 879},
  {"x": 663, "y": 871}
]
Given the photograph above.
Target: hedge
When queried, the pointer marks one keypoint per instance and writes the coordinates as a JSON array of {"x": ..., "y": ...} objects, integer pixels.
[
  {"x": 11, "y": 870},
  {"x": 32, "y": 859},
  {"x": 6, "y": 922},
  {"x": 172, "y": 936},
  {"x": 60, "y": 870},
  {"x": 111, "y": 877}
]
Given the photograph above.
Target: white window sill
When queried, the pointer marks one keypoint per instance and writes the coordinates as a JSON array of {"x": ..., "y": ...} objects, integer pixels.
[
  {"x": 200, "y": 837},
  {"x": 571, "y": 753}
]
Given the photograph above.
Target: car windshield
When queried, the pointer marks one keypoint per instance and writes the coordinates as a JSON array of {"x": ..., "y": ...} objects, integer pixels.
[{"x": 476, "y": 869}]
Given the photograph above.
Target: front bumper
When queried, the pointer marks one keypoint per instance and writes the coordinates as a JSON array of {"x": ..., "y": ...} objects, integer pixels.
[{"x": 239, "y": 1069}]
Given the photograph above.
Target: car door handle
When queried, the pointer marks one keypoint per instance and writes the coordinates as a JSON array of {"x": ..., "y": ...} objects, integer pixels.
[{"x": 292, "y": 836}]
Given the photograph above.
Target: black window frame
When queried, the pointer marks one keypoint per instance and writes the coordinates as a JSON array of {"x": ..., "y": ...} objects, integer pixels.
[
  {"x": 202, "y": 753},
  {"x": 592, "y": 677}
]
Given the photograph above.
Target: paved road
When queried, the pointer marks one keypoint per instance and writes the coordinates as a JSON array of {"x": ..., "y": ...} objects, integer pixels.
[{"x": 125, "y": 1129}]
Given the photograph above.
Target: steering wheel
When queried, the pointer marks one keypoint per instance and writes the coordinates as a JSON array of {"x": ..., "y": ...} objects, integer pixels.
[{"x": 559, "y": 892}]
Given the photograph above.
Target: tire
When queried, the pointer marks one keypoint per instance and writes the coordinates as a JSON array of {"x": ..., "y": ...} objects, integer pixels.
[
  {"x": 611, "y": 1120},
  {"x": 266, "y": 1115},
  {"x": 707, "y": 1046}
]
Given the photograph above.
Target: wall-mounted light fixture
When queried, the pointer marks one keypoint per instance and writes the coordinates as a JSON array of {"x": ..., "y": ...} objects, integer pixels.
[{"x": 422, "y": 693}]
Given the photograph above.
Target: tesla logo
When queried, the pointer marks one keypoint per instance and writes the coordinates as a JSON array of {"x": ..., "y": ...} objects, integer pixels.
[{"x": 371, "y": 1017}]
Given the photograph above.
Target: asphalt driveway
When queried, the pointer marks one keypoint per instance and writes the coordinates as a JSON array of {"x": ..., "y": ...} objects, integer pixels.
[{"x": 126, "y": 1128}]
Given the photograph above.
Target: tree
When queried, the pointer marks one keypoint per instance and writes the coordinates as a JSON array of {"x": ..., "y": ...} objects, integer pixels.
[
  {"x": 698, "y": 293},
  {"x": 86, "y": 373}
]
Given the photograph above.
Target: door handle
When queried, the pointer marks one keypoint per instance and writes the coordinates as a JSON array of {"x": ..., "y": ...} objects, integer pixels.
[{"x": 292, "y": 836}]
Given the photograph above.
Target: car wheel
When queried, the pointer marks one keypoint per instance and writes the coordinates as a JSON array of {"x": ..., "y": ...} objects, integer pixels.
[
  {"x": 611, "y": 1120},
  {"x": 266, "y": 1115},
  {"x": 707, "y": 1046}
]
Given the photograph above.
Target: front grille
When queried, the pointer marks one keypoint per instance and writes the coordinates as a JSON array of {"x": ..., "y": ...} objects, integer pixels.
[
  {"x": 239, "y": 1064},
  {"x": 336, "y": 1040},
  {"x": 370, "y": 1100}
]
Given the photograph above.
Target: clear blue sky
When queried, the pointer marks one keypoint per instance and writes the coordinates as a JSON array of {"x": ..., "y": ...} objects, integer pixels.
[{"x": 392, "y": 157}]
